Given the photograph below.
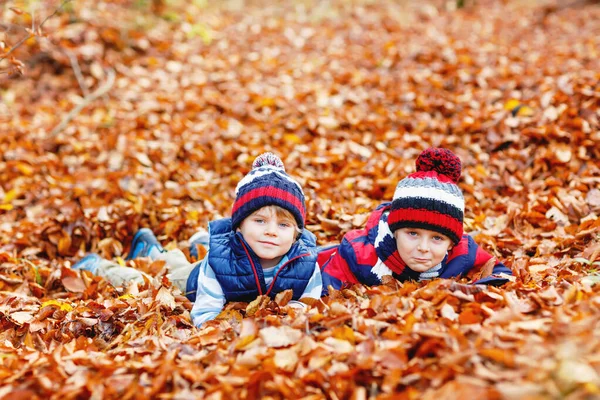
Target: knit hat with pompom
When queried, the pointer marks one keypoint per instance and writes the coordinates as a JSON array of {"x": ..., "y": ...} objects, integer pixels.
[
  {"x": 430, "y": 198},
  {"x": 268, "y": 184}
]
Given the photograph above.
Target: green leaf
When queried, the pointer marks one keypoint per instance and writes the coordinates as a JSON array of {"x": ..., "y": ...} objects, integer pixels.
[{"x": 38, "y": 277}]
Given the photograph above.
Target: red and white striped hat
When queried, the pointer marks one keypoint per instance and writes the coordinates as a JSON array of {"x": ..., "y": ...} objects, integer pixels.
[
  {"x": 268, "y": 184},
  {"x": 430, "y": 198}
]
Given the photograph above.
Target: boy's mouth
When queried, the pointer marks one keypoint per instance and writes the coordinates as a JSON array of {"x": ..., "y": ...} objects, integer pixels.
[
  {"x": 268, "y": 243},
  {"x": 421, "y": 260}
]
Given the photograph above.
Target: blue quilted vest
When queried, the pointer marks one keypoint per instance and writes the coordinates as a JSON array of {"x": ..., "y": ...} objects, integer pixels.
[{"x": 240, "y": 274}]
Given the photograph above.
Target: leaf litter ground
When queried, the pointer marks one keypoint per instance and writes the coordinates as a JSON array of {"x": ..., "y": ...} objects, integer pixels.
[{"x": 348, "y": 93}]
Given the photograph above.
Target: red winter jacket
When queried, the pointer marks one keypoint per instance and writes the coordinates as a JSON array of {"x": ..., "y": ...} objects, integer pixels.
[{"x": 353, "y": 260}]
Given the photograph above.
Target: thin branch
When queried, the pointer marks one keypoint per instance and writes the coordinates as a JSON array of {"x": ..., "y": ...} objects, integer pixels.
[
  {"x": 108, "y": 83},
  {"x": 32, "y": 33},
  {"x": 16, "y": 46},
  {"x": 54, "y": 13},
  {"x": 77, "y": 71}
]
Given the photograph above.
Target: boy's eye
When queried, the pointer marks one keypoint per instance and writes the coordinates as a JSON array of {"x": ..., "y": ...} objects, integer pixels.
[
  {"x": 259, "y": 220},
  {"x": 284, "y": 225},
  {"x": 412, "y": 233}
]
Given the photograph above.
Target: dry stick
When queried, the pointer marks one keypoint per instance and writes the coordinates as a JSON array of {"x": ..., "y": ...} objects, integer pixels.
[
  {"x": 31, "y": 33},
  {"x": 77, "y": 71},
  {"x": 110, "y": 80}
]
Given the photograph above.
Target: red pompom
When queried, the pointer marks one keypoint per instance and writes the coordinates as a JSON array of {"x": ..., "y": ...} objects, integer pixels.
[{"x": 439, "y": 160}]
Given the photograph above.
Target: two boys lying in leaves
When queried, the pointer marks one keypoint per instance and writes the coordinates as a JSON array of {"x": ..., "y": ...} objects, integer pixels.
[{"x": 264, "y": 249}]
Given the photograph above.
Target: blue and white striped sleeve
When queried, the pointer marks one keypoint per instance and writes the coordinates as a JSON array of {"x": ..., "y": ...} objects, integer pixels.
[
  {"x": 315, "y": 284},
  {"x": 210, "y": 298}
]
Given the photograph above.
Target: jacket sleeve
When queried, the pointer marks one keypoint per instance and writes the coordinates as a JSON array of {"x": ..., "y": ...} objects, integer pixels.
[
  {"x": 499, "y": 273},
  {"x": 210, "y": 298},
  {"x": 335, "y": 270},
  {"x": 497, "y": 277},
  {"x": 315, "y": 284}
]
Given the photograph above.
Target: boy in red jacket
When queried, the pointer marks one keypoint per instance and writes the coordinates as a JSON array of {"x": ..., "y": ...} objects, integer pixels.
[{"x": 418, "y": 236}]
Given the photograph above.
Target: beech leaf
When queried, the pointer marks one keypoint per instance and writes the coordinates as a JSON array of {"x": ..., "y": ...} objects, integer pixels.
[{"x": 282, "y": 336}]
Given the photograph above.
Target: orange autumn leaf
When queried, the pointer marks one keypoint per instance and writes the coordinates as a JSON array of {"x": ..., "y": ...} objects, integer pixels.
[{"x": 499, "y": 355}]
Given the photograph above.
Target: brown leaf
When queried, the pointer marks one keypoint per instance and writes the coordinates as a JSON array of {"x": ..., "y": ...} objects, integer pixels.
[
  {"x": 259, "y": 303},
  {"x": 501, "y": 356},
  {"x": 281, "y": 336},
  {"x": 73, "y": 284},
  {"x": 283, "y": 298}
]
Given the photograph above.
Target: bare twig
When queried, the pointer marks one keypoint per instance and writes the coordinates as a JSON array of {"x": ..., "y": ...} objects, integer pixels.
[
  {"x": 101, "y": 90},
  {"x": 31, "y": 33},
  {"x": 77, "y": 71},
  {"x": 54, "y": 13},
  {"x": 16, "y": 46},
  {"x": 33, "y": 17}
]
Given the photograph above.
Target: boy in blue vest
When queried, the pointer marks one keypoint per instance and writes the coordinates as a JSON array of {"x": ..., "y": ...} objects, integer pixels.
[
  {"x": 263, "y": 249},
  {"x": 418, "y": 236}
]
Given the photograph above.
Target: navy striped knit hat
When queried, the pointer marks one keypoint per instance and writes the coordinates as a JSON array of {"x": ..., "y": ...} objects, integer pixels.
[
  {"x": 267, "y": 184},
  {"x": 430, "y": 198}
]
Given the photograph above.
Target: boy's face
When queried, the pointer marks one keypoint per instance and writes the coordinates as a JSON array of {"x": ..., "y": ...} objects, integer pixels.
[
  {"x": 421, "y": 249},
  {"x": 270, "y": 236}
]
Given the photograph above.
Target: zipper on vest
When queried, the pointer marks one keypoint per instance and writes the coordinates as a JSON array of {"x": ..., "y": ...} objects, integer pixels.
[
  {"x": 253, "y": 268},
  {"x": 281, "y": 269}
]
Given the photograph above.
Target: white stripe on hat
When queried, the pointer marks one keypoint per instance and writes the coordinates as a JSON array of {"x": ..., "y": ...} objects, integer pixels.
[
  {"x": 433, "y": 193},
  {"x": 262, "y": 171}
]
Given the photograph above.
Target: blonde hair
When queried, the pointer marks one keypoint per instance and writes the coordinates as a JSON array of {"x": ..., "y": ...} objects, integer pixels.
[{"x": 281, "y": 212}]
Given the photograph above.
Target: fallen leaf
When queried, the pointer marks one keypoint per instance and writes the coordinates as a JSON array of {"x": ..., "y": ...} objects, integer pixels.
[{"x": 281, "y": 336}]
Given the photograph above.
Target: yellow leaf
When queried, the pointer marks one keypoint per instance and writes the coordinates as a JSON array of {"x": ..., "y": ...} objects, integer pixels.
[
  {"x": 60, "y": 304},
  {"x": 11, "y": 195},
  {"x": 268, "y": 102},
  {"x": 518, "y": 109},
  {"x": 511, "y": 104},
  {"x": 126, "y": 296},
  {"x": 25, "y": 169},
  {"x": 291, "y": 138},
  {"x": 6, "y": 207},
  {"x": 525, "y": 111},
  {"x": 193, "y": 215},
  {"x": 120, "y": 261},
  {"x": 201, "y": 30},
  {"x": 344, "y": 333},
  {"x": 244, "y": 341}
]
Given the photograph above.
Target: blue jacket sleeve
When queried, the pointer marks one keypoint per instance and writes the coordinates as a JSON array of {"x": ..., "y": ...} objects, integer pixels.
[
  {"x": 210, "y": 298},
  {"x": 495, "y": 279},
  {"x": 315, "y": 284}
]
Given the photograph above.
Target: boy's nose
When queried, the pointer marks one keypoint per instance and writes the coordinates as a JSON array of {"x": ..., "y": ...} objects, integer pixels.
[
  {"x": 271, "y": 228},
  {"x": 423, "y": 246}
]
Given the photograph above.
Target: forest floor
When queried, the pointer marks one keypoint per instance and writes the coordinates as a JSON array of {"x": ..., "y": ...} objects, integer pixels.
[{"x": 117, "y": 115}]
